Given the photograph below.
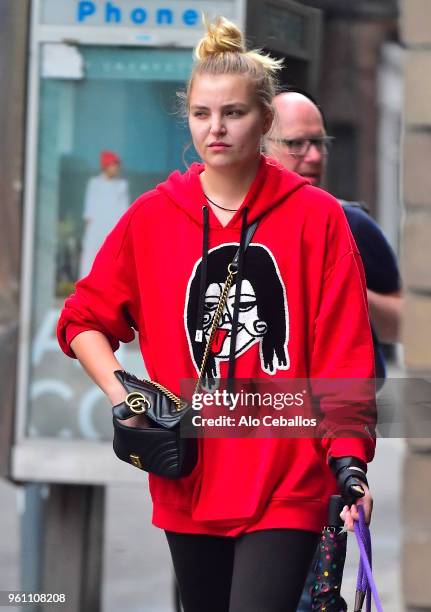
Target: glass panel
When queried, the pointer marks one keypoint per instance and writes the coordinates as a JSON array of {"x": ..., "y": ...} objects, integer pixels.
[{"x": 125, "y": 104}]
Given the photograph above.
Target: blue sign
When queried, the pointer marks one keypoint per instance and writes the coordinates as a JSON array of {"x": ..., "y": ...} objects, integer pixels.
[{"x": 111, "y": 13}]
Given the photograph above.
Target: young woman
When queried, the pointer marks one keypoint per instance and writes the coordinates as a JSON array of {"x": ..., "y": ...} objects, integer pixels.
[{"x": 243, "y": 526}]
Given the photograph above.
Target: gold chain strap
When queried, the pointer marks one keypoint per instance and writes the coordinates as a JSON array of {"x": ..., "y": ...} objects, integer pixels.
[
  {"x": 220, "y": 306},
  {"x": 174, "y": 398}
]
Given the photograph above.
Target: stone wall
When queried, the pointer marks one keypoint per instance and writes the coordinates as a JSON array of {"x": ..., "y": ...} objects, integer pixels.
[{"x": 416, "y": 270}]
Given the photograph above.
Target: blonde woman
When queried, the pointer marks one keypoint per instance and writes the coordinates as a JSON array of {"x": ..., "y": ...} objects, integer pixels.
[{"x": 243, "y": 526}]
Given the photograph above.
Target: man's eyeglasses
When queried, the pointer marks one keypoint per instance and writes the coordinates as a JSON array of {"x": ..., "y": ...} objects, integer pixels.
[{"x": 299, "y": 147}]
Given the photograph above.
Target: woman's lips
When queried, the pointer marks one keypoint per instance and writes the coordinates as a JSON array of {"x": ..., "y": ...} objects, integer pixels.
[{"x": 219, "y": 146}]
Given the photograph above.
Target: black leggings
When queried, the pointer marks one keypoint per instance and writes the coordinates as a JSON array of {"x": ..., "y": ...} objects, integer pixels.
[{"x": 263, "y": 571}]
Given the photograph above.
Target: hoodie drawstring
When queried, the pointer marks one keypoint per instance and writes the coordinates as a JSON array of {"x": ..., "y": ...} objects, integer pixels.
[
  {"x": 238, "y": 284},
  {"x": 203, "y": 280},
  {"x": 199, "y": 336}
]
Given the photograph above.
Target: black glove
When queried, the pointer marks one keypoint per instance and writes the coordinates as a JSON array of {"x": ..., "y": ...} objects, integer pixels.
[{"x": 350, "y": 473}]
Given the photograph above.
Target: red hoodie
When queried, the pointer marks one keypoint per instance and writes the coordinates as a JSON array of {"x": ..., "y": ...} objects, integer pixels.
[{"x": 316, "y": 325}]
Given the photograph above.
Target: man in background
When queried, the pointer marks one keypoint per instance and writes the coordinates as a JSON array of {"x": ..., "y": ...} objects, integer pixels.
[{"x": 298, "y": 141}]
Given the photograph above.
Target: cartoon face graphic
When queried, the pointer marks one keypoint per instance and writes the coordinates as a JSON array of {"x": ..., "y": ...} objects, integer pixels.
[
  {"x": 262, "y": 315},
  {"x": 250, "y": 327}
]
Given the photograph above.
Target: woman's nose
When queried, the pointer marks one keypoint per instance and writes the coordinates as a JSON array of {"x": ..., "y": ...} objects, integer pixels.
[{"x": 217, "y": 125}]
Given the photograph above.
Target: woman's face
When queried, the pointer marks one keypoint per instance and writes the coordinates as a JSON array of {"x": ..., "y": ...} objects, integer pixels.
[{"x": 226, "y": 121}]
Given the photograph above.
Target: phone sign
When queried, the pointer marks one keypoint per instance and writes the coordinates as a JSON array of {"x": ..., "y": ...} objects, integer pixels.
[{"x": 88, "y": 11}]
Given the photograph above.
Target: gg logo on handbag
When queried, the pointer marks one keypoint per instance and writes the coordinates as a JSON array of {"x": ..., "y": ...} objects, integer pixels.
[{"x": 137, "y": 402}]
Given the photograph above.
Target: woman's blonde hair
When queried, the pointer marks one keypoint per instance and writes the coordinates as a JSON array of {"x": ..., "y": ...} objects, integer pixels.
[{"x": 222, "y": 51}]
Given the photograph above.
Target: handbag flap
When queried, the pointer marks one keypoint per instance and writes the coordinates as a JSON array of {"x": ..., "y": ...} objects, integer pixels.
[{"x": 146, "y": 397}]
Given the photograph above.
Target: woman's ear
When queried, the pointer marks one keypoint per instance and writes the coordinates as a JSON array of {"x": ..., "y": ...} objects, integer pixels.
[{"x": 268, "y": 118}]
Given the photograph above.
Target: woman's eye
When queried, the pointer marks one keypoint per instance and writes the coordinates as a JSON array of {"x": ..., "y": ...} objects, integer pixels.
[
  {"x": 199, "y": 114},
  {"x": 235, "y": 112}
]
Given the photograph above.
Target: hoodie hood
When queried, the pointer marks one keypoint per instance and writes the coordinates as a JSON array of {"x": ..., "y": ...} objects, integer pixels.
[{"x": 271, "y": 186}]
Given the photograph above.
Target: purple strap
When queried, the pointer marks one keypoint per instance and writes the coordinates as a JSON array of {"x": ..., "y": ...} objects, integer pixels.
[{"x": 365, "y": 583}]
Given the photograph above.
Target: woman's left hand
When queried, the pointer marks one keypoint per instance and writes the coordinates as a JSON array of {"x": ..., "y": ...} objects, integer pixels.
[{"x": 349, "y": 515}]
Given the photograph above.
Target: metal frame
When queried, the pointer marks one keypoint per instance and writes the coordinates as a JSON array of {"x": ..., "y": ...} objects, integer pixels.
[
  {"x": 71, "y": 461},
  {"x": 31, "y": 143}
]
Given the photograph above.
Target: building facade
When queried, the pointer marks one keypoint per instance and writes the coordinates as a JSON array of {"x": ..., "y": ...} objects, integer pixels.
[{"x": 416, "y": 153}]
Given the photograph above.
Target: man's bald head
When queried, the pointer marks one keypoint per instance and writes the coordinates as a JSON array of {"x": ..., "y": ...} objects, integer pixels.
[{"x": 297, "y": 118}]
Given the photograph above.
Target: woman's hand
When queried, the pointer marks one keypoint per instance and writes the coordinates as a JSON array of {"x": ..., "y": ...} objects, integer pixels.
[
  {"x": 139, "y": 420},
  {"x": 349, "y": 515},
  {"x": 116, "y": 393}
]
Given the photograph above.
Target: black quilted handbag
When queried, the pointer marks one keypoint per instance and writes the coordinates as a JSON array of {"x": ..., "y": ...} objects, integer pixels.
[{"x": 157, "y": 446}]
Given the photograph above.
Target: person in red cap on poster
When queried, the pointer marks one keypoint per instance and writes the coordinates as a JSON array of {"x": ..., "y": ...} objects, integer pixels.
[{"x": 106, "y": 199}]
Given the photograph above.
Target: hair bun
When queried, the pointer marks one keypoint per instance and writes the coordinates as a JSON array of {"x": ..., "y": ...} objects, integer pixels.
[{"x": 222, "y": 36}]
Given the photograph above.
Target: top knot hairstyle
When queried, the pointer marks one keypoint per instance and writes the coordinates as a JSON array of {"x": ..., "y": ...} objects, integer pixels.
[
  {"x": 222, "y": 36},
  {"x": 222, "y": 51}
]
